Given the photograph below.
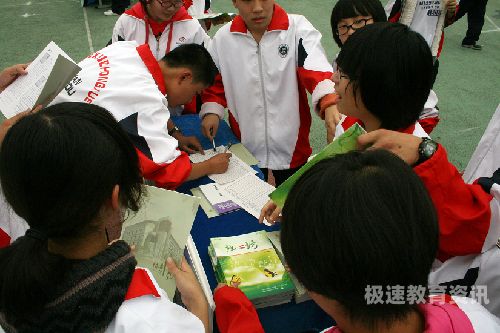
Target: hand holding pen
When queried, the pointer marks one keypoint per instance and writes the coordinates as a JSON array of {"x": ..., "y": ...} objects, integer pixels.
[
  {"x": 209, "y": 126},
  {"x": 213, "y": 138}
]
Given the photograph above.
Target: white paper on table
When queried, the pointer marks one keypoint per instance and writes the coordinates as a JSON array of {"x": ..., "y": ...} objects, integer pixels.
[
  {"x": 237, "y": 168},
  {"x": 23, "y": 93},
  {"x": 249, "y": 192}
]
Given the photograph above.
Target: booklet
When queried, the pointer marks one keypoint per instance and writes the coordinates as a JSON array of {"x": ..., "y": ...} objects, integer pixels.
[
  {"x": 344, "y": 143},
  {"x": 218, "y": 200},
  {"x": 47, "y": 75},
  {"x": 249, "y": 262},
  {"x": 160, "y": 229}
]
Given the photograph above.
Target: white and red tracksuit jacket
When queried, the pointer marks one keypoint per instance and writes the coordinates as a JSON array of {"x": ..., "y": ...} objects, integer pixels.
[
  {"x": 469, "y": 221},
  {"x": 147, "y": 309},
  {"x": 197, "y": 7},
  {"x": 126, "y": 79},
  {"x": 133, "y": 25},
  {"x": 264, "y": 86}
]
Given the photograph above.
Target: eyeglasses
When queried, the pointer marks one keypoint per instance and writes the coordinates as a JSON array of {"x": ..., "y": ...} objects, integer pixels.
[
  {"x": 169, "y": 4},
  {"x": 358, "y": 24}
]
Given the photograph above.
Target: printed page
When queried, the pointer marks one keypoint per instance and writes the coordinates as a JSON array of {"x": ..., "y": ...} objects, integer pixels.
[
  {"x": 23, "y": 93},
  {"x": 160, "y": 229},
  {"x": 248, "y": 191},
  {"x": 237, "y": 168}
]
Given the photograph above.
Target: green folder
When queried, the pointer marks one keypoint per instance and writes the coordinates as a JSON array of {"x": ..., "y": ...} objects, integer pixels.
[{"x": 343, "y": 144}]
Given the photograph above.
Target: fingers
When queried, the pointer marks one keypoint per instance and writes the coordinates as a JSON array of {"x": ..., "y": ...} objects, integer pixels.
[
  {"x": 172, "y": 267},
  {"x": 187, "y": 149},
  {"x": 368, "y": 139},
  {"x": 330, "y": 135},
  {"x": 37, "y": 108},
  {"x": 197, "y": 147},
  {"x": 185, "y": 266},
  {"x": 19, "y": 69}
]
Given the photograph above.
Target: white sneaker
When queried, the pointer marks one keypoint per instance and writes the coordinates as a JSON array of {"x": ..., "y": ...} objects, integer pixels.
[{"x": 109, "y": 12}]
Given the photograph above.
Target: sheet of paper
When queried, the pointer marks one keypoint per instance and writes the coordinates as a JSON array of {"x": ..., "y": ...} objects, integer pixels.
[
  {"x": 237, "y": 168},
  {"x": 24, "y": 92},
  {"x": 242, "y": 152},
  {"x": 204, "y": 203},
  {"x": 248, "y": 191},
  {"x": 160, "y": 229}
]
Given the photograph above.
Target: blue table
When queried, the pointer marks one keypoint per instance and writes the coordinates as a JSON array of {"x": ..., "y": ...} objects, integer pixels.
[{"x": 288, "y": 317}]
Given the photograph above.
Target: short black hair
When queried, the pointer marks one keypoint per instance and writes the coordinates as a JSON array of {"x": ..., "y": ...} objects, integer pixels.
[
  {"x": 58, "y": 167},
  {"x": 360, "y": 219},
  {"x": 197, "y": 59},
  {"x": 351, "y": 8},
  {"x": 392, "y": 66}
]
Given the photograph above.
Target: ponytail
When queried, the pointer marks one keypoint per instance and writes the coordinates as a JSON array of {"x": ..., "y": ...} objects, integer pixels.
[{"x": 29, "y": 276}]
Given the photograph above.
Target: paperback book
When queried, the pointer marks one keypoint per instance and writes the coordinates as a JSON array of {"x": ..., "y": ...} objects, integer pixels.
[{"x": 249, "y": 262}]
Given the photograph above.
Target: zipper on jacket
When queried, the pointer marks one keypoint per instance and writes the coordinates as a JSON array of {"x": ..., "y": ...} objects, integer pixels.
[{"x": 265, "y": 102}]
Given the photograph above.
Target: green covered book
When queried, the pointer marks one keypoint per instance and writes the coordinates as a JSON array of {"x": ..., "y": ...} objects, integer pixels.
[
  {"x": 249, "y": 262},
  {"x": 343, "y": 144}
]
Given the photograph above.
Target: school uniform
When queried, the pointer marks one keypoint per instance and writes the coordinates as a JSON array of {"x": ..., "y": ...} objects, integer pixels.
[
  {"x": 126, "y": 79},
  {"x": 147, "y": 308},
  {"x": 134, "y": 25},
  {"x": 264, "y": 86}
]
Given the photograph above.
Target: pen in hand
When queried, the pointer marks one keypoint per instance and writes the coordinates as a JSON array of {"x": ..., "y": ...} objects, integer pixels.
[
  {"x": 213, "y": 138},
  {"x": 228, "y": 147}
]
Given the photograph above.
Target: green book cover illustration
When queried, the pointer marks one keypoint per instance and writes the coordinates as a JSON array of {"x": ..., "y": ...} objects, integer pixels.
[
  {"x": 250, "y": 263},
  {"x": 343, "y": 144}
]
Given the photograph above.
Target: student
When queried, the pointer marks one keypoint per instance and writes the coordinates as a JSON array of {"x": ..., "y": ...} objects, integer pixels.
[
  {"x": 163, "y": 25},
  {"x": 469, "y": 216},
  {"x": 382, "y": 81},
  {"x": 426, "y": 16},
  {"x": 267, "y": 60},
  {"x": 66, "y": 249},
  {"x": 385, "y": 87},
  {"x": 86, "y": 174},
  {"x": 128, "y": 81},
  {"x": 350, "y": 15},
  {"x": 368, "y": 243}
]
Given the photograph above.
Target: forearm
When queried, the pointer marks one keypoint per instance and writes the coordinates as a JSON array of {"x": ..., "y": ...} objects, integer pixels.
[
  {"x": 201, "y": 311},
  {"x": 199, "y": 170}
]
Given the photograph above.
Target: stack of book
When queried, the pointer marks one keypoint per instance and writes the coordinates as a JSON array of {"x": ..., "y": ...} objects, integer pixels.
[
  {"x": 249, "y": 262},
  {"x": 301, "y": 294}
]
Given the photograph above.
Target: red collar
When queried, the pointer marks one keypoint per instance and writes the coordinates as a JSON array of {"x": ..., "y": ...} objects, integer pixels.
[
  {"x": 141, "y": 285},
  {"x": 138, "y": 11},
  {"x": 278, "y": 22},
  {"x": 153, "y": 66}
]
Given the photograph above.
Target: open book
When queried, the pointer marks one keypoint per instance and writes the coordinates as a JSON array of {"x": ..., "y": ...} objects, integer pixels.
[
  {"x": 160, "y": 229},
  {"x": 47, "y": 75}
]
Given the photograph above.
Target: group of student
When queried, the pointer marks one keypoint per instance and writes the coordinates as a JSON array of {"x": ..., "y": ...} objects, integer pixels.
[{"x": 397, "y": 214}]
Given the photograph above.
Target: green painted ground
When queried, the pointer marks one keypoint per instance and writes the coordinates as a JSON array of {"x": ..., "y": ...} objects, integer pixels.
[{"x": 467, "y": 84}]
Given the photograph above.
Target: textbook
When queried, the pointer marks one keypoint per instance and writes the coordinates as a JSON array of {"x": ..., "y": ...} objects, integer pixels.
[
  {"x": 50, "y": 72},
  {"x": 343, "y": 144},
  {"x": 301, "y": 294},
  {"x": 250, "y": 262},
  {"x": 160, "y": 229}
]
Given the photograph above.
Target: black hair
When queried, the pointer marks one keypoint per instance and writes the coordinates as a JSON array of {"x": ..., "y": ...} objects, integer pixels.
[
  {"x": 344, "y": 9},
  {"x": 392, "y": 66},
  {"x": 360, "y": 219},
  {"x": 197, "y": 59},
  {"x": 57, "y": 168}
]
